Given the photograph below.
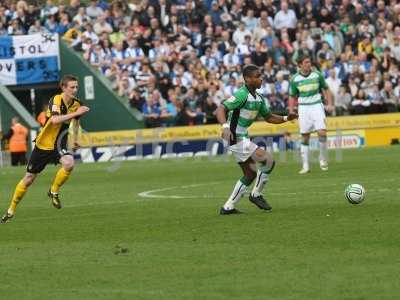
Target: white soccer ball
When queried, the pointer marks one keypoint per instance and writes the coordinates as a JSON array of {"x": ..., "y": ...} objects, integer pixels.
[{"x": 354, "y": 193}]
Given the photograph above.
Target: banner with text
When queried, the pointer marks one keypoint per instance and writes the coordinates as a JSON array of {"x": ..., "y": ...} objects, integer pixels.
[
  {"x": 207, "y": 132},
  {"x": 29, "y": 59}
]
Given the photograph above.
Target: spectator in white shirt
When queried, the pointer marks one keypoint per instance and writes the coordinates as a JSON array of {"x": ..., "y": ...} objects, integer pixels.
[
  {"x": 93, "y": 11},
  {"x": 244, "y": 49},
  {"x": 230, "y": 88},
  {"x": 81, "y": 18},
  {"x": 89, "y": 33},
  {"x": 285, "y": 18},
  {"x": 209, "y": 61},
  {"x": 135, "y": 54},
  {"x": 240, "y": 33},
  {"x": 249, "y": 20},
  {"x": 334, "y": 84},
  {"x": 102, "y": 26},
  {"x": 231, "y": 60}
]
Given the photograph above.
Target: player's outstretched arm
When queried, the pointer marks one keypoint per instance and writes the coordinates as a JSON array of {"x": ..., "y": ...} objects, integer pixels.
[
  {"x": 60, "y": 119},
  {"x": 277, "y": 119}
]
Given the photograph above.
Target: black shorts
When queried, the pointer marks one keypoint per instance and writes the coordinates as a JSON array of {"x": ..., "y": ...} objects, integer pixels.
[
  {"x": 18, "y": 158},
  {"x": 40, "y": 158}
]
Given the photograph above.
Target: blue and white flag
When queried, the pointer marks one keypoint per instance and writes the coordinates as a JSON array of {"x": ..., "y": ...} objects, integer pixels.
[{"x": 29, "y": 59}]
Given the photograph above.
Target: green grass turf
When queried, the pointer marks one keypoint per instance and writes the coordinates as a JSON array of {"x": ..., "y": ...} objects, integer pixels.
[{"x": 110, "y": 243}]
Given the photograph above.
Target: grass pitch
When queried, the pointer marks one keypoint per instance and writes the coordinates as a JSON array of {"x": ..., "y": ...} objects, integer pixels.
[{"x": 150, "y": 230}]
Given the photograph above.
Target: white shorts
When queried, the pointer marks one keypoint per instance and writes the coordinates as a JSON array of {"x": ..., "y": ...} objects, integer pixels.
[
  {"x": 243, "y": 150},
  {"x": 311, "y": 118}
]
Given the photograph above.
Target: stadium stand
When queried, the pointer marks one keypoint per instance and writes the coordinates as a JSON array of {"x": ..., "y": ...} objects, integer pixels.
[{"x": 175, "y": 61}]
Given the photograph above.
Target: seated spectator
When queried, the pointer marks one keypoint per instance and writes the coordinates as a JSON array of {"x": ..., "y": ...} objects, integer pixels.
[
  {"x": 360, "y": 104},
  {"x": 281, "y": 84},
  {"x": 231, "y": 59},
  {"x": 169, "y": 114},
  {"x": 151, "y": 112},
  {"x": 136, "y": 100},
  {"x": 210, "y": 62},
  {"x": 89, "y": 33},
  {"x": 15, "y": 28},
  {"x": 244, "y": 49},
  {"x": 276, "y": 104},
  {"x": 209, "y": 109},
  {"x": 81, "y": 17},
  {"x": 192, "y": 109},
  {"x": 101, "y": 25},
  {"x": 48, "y": 9},
  {"x": 377, "y": 102},
  {"x": 37, "y": 27},
  {"x": 93, "y": 10},
  {"x": 126, "y": 84},
  {"x": 391, "y": 102}
]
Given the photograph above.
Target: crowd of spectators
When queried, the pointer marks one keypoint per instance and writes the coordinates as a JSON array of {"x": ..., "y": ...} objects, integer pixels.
[{"x": 177, "y": 60}]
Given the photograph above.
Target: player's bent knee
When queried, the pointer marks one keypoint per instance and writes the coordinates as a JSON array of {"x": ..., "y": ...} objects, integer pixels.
[
  {"x": 28, "y": 179},
  {"x": 68, "y": 163}
]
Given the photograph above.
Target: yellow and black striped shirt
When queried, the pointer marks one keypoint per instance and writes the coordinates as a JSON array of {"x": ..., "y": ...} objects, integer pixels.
[{"x": 54, "y": 136}]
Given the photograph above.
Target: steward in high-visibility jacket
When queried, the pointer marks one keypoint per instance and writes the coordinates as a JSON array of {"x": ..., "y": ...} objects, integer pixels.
[{"x": 17, "y": 137}]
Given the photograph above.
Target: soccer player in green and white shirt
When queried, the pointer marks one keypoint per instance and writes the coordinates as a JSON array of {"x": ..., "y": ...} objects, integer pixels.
[
  {"x": 243, "y": 108},
  {"x": 306, "y": 88}
]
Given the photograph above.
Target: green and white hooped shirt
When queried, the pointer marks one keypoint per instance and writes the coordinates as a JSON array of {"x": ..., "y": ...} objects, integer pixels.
[
  {"x": 308, "y": 88},
  {"x": 243, "y": 110}
]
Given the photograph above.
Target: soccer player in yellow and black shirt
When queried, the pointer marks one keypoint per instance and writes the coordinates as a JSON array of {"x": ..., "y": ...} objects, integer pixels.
[{"x": 51, "y": 144}]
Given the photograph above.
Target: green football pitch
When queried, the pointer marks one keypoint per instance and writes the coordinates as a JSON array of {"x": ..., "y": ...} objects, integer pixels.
[{"x": 151, "y": 230}]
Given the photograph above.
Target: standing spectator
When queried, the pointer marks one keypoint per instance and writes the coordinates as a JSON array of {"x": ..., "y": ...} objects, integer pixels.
[
  {"x": 17, "y": 137},
  {"x": 334, "y": 84}
]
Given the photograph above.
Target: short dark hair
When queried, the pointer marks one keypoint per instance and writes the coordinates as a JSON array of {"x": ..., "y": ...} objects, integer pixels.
[
  {"x": 67, "y": 78},
  {"x": 302, "y": 57},
  {"x": 249, "y": 70}
]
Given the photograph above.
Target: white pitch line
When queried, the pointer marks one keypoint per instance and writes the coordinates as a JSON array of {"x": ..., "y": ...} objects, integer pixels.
[
  {"x": 149, "y": 194},
  {"x": 154, "y": 194}
]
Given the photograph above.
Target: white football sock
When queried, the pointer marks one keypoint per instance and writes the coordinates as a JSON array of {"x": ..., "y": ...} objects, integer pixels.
[
  {"x": 237, "y": 193},
  {"x": 305, "y": 150},
  {"x": 261, "y": 180},
  {"x": 323, "y": 151}
]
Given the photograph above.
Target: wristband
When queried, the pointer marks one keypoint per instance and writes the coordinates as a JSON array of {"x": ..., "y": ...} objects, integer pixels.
[
  {"x": 285, "y": 118},
  {"x": 225, "y": 126}
]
